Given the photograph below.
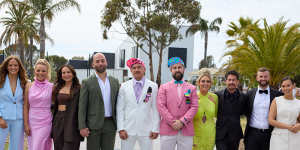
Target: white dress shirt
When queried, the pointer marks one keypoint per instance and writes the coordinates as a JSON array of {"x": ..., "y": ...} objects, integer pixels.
[
  {"x": 105, "y": 90},
  {"x": 261, "y": 105}
]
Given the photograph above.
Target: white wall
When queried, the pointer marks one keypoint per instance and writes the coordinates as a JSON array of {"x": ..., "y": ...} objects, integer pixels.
[
  {"x": 186, "y": 42},
  {"x": 117, "y": 73}
]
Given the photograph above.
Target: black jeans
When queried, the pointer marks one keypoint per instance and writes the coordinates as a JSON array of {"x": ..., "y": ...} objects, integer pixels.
[{"x": 227, "y": 143}]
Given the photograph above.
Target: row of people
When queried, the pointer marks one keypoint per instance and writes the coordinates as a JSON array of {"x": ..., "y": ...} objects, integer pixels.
[
  {"x": 26, "y": 107},
  {"x": 139, "y": 111}
]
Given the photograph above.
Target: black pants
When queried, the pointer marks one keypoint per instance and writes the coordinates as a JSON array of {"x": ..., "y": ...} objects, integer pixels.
[
  {"x": 63, "y": 145},
  {"x": 227, "y": 143},
  {"x": 257, "y": 139}
]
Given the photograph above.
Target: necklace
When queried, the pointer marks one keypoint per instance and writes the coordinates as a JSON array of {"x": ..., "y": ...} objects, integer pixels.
[{"x": 204, "y": 118}]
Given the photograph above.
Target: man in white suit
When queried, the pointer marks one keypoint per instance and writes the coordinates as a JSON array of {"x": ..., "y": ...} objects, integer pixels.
[{"x": 137, "y": 115}]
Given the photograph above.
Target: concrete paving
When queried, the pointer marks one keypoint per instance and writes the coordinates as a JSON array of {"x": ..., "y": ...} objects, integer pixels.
[{"x": 118, "y": 144}]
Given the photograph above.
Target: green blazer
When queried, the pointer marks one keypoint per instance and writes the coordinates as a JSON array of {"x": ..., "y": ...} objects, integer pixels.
[{"x": 91, "y": 105}]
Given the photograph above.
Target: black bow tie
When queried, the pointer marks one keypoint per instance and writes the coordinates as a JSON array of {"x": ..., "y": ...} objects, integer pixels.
[{"x": 263, "y": 91}]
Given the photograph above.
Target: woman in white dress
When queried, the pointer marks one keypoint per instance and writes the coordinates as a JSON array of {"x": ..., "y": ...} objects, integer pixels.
[{"x": 284, "y": 116}]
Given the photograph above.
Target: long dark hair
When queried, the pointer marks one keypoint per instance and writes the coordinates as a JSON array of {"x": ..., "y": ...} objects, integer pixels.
[
  {"x": 22, "y": 72},
  {"x": 60, "y": 83}
]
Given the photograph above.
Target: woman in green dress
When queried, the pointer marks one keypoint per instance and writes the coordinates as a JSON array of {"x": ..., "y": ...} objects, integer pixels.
[{"x": 204, "y": 120}]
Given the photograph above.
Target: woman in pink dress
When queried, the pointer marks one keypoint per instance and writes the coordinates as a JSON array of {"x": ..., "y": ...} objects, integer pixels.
[{"x": 37, "y": 112}]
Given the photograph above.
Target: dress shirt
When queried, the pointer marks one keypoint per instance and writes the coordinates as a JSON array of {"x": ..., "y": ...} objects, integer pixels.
[
  {"x": 179, "y": 89},
  {"x": 105, "y": 90},
  {"x": 138, "y": 87},
  {"x": 261, "y": 105}
]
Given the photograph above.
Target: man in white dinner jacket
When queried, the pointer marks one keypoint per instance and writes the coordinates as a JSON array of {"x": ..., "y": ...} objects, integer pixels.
[{"x": 137, "y": 115}]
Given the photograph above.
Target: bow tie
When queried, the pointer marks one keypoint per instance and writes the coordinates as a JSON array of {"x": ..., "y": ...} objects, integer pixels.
[
  {"x": 263, "y": 91},
  {"x": 178, "y": 82}
]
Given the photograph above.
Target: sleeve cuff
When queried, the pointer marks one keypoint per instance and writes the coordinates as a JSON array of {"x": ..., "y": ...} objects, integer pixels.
[{"x": 184, "y": 120}]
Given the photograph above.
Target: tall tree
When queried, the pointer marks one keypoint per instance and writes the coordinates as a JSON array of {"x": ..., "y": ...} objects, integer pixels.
[
  {"x": 152, "y": 25},
  {"x": 276, "y": 47},
  {"x": 19, "y": 25},
  {"x": 237, "y": 31},
  {"x": 57, "y": 61},
  {"x": 203, "y": 26},
  {"x": 209, "y": 63},
  {"x": 46, "y": 9}
]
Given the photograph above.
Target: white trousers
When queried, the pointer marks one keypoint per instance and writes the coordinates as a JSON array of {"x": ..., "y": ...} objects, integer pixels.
[
  {"x": 182, "y": 142},
  {"x": 16, "y": 132},
  {"x": 145, "y": 142}
]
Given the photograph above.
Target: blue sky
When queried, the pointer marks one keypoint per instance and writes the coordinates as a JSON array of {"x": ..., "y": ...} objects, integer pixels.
[{"x": 78, "y": 34}]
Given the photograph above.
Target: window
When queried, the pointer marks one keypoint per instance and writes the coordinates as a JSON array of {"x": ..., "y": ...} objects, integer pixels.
[
  {"x": 122, "y": 58},
  {"x": 135, "y": 52},
  {"x": 178, "y": 52}
]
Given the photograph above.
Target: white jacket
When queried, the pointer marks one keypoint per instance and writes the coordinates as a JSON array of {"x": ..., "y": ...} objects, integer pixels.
[{"x": 137, "y": 118}]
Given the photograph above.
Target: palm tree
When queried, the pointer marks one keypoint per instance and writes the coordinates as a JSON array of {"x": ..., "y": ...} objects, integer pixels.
[
  {"x": 19, "y": 23},
  {"x": 236, "y": 31},
  {"x": 276, "y": 47},
  {"x": 204, "y": 27},
  {"x": 46, "y": 10},
  {"x": 208, "y": 64}
]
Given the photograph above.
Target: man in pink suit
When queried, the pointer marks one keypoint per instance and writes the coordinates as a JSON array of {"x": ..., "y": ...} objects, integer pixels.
[{"x": 177, "y": 103}]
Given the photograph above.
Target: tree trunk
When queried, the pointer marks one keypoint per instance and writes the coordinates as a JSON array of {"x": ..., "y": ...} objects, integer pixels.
[
  {"x": 158, "y": 77},
  {"x": 42, "y": 37},
  {"x": 150, "y": 57},
  {"x": 30, "y": 57},
  {"x": 150, "y": 46},
  {"x": 205, "y": 49},
  {"x": 21, "y": 48}
]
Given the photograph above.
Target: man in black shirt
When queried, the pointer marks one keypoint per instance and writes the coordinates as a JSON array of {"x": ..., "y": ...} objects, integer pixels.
[{"x": 230, "y": 107}]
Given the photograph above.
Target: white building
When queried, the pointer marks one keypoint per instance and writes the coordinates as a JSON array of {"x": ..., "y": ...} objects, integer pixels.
[
  {"x": 83, "y": 70},
  {"x": 183, "y": 48}
]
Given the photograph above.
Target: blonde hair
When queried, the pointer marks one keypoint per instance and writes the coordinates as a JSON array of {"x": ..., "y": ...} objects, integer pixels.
[
  {"x": 204, "y": 74},
  {"x": 45, "y": 63}
]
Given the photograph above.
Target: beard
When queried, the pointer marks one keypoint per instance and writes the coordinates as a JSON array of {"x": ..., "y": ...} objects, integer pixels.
[
  {"x": 100, "y": 69},
  {"x": 178, "y": 76},
  {"x": 263, "y": 83}
]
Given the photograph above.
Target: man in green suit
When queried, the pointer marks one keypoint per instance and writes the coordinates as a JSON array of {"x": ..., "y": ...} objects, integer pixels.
[{"x": 97, "y": 107}]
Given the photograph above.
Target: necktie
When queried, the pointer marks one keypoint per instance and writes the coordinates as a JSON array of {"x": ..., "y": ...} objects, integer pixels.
[
  {"x": 263, "y": 91},
  {"x": 138, "y": 90}
]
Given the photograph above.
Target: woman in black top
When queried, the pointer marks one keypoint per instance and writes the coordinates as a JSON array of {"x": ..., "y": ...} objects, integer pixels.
[{"x": 65, "y": 96}]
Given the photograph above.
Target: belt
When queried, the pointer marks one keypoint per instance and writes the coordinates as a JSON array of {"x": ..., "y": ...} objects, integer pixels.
[
  {"x": 261, "y": 130},
  {"x": 62, "y": 107},
  {"x": 108, "y": 118}
]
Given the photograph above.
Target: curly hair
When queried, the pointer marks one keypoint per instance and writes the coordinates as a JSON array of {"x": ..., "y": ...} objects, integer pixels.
[
  {"x": 45, "y": 63},
  {"x": 60, "y": 83},
  {"x": 22, "y": 72}
]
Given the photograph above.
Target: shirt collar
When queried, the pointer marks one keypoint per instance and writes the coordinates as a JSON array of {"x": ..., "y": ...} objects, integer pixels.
[
  {"x": 142, "y": 81},
  {"x": 268, "y": 88},
  {"x": 99, "y": 79},
  {"x": 236, "y": 93}
]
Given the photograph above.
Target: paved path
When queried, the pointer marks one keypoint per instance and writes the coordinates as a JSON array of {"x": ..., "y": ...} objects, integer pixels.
[{"x": 118, "y": 144}]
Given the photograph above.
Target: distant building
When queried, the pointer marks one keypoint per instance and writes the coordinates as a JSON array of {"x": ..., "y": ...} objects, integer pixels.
[
  {"x": 183, "y": 48},
  {"x": 83, "y": 69}
]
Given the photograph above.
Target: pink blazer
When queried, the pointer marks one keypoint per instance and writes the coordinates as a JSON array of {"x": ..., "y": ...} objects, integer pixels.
[{"x": 171, "y": 107}]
